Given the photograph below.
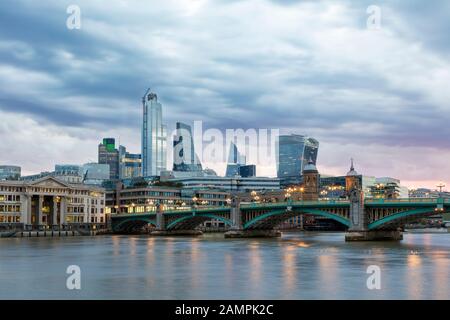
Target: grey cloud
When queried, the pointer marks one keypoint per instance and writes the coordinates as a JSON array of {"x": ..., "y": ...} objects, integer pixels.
[{"x": 213, "y": 73}]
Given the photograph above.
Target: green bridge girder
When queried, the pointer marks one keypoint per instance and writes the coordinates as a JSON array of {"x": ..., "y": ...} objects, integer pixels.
[
  {"x": 413, "y": 208},
  {"x": 205, "y": 216},
  {"x": 314, "y": 212}
]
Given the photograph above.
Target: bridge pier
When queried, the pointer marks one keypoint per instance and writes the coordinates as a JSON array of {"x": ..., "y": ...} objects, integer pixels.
[
  {"x": 374, "y": 235},
  {"x": 237, "y": 229},
  {"x": 176, "y": 233},
  {"x": 252, "y": 234},
  {"x": 359, "y": 230}
]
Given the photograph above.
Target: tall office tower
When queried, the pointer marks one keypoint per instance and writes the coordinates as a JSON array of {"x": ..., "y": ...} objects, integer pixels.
[
  {"x": 108, "y": 154},
  {"x": 153, "y": 136},
  {"x": 184, "y": 157},
  {"x": 293, "y": 153},
  {"x": 130, "y": 164},
  {"x": 235, "y": 161}
]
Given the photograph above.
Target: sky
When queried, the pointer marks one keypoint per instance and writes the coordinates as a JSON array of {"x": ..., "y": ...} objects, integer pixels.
[{"x": 380, "y": 96}]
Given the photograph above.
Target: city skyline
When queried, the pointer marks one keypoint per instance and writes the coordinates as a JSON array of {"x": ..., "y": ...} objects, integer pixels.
[{"x": 383, "y": 104}]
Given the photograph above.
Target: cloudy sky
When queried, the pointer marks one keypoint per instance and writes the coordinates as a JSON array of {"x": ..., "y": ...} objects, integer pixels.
[{"x": 308, "y": 67}]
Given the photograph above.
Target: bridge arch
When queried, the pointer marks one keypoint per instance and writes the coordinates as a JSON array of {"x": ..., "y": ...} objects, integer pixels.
[
  {"x": 295, "y": 213},
  {"x": 132, "y": 223},
  {"x": 199, "y": 219},
  {"x": 418, "y": 213}
]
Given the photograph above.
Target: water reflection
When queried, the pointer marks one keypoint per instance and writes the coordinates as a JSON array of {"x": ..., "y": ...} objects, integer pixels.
[
  {"x": 441, "y": 277},
  {"x": 290, "y": 269},
  {"x": 414, "y": 276},
  {"x": 328, "y": 277},
  {"x": 195, "y": 263},
  {"x": 297, "y": 266},
  {"x": 255, "y": 265}
]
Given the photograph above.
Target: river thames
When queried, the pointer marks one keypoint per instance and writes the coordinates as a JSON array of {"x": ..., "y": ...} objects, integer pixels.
[{"x": 296, "y": 266}]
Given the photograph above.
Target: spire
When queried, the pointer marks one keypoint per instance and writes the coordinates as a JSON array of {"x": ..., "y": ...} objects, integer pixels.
[
  {"x": 352, "y": 171},
  {"x": 310, "y": 167}
]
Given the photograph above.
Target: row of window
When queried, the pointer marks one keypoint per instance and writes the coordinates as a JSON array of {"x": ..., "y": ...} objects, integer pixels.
[
  {"x": 9, "y": 219},
  {"x": 212, "y": 196},
  {"x": 10, "y": 208},
  {"x": 75, "y": 209},
  {"x": 9, "y": 198},
  {"x": 151, "y": 193}
]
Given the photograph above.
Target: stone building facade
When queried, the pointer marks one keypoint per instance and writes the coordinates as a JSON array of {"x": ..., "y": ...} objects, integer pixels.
[{"x": 50, "y": 203}]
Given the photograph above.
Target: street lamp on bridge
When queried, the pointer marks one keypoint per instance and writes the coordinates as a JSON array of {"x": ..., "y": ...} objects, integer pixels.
[{"x": 441, "y": 185}]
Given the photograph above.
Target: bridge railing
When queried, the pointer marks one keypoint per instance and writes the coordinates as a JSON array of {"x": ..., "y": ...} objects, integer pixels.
[
  {"x": 170, "y": 211},
  {"x": 290, "y": 203},
  {"x": 408, "y": 200}
]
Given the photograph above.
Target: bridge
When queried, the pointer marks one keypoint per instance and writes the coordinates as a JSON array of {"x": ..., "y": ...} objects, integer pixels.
[{"x": 365, "y": 219}]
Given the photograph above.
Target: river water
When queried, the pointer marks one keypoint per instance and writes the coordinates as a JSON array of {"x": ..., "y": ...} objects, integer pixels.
[{"x": 296, "y": 266}]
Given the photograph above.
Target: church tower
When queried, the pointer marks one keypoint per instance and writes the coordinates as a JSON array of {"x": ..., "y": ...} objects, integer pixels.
[
  {"x": 310, "y": 182},
  {"x": 352, "y": 179}
]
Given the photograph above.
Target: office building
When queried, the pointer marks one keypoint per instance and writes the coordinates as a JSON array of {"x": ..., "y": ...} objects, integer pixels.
[
  {"x": 247, "y": 171},
  {"x": 69, "y": 173},
  {"x": 108, "y": 154},
  {"x": 236, "y": 183},
  {"x": 184, "y": 157},
  {"x": 428, "y": 193},
  {"x": 153, "y": 136},
  {"x": 130, "y": 164},
  {"x": 95, "y": 173},
  {"x": 10, "y": 172},
  {"x": 293, "y": 153},
  {"x": 236, "y": 166}
]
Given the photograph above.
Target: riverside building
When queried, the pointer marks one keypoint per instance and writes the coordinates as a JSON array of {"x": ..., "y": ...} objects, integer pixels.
[{"x": 50, "y": 203}]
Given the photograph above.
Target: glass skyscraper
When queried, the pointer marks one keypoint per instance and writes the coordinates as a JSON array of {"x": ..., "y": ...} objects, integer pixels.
[
  {"x": 184, "y": 157},
  {"x": 294, "y": 152},
  {"x": 154, "y": 135}
]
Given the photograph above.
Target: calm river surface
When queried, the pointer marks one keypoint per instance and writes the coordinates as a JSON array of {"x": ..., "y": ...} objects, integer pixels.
[{"x": 296, "y": 266}]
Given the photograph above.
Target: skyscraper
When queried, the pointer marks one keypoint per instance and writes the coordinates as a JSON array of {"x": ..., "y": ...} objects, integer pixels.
[
  {"x": 108, "y": 154},
  {"x": 153, "y": 136},
  {"x": 294, "y": 151},
  {"x": 235, "y": 161},
  {"x": 184, "y": 157}
]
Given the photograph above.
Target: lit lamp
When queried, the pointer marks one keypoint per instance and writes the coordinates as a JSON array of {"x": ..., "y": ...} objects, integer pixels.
[
  {"x": 287, "y": 195},
  {"x": 194, "y": 201}
]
